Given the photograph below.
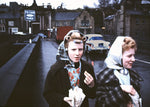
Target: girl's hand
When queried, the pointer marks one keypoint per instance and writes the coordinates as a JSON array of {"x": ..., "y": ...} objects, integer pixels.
[
  {"x": 88, "y": 79},
  {"x": 129, "y": 89},
  {"x": 69, "y": 101}
]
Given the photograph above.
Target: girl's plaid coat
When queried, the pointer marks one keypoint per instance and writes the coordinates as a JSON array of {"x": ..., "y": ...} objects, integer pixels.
[{"x": 109, "y": 92}]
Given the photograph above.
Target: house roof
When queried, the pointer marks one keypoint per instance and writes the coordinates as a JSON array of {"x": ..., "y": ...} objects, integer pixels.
[
  {"x": 145, "y": 2},
  {"x": 66, "y": 15},
  {"x": 9, "y": 15}
]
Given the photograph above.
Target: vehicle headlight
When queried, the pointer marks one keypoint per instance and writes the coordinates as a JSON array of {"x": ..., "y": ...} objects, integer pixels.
[{"x": 90, "y": 45}]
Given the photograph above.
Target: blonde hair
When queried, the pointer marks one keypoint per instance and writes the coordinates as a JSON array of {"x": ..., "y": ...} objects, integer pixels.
[{"x": 128, "y": 43}]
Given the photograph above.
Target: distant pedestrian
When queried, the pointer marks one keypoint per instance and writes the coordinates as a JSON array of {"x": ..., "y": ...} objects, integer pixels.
[
  {"x": 70, "y": 81},
  {"x": 117, "y": 84}
]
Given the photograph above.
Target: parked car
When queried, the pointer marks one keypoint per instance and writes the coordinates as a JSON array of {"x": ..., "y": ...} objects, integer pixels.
[
  {"x": 96, "y": 43},
  {"x": 42, "y": 35},
  {"x": 20, "y": 33}
]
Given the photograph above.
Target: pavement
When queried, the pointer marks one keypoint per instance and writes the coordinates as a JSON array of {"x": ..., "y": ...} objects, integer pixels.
[{"x": 11, "y": 71}]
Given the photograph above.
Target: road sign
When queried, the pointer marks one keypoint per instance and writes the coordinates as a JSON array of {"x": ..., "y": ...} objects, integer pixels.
[{"x": 29, "y": 15}]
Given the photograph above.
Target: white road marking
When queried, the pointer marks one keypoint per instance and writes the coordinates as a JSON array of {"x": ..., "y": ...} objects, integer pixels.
[{"x": 142, "y": 61}]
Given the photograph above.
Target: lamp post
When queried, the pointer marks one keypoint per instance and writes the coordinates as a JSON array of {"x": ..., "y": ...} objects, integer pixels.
[
  {"x": 49, "y": 32},
  {"x": 29, "y": 27},
  {"x": 103, "y": 29}
]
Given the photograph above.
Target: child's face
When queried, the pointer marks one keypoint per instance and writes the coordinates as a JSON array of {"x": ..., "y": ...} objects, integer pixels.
[
  {"x": 75, "y": 50},
  {"x": 128, "y": 58}
]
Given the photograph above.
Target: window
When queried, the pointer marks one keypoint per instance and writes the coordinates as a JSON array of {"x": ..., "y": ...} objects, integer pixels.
[
  {"x": 57, "y": 24},
  {"x": 71, "y": 23},
  {"x": 84, "y": 22},
  {"x": 2, "y": 29},
  {"x": 2, "y": 21},
  {"x": 10, "y": 23},
  {"x": 65, "y": 23},
  {"x": 96, "y": 38},
  {"x": 84, "y": 18}
]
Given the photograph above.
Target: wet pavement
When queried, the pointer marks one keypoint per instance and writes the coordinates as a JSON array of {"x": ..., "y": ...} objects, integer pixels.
[{"x": 29, "y": 88}]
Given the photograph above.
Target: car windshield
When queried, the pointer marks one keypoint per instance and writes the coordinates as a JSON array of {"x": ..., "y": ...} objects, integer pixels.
[{"x": 96, "y": 38}]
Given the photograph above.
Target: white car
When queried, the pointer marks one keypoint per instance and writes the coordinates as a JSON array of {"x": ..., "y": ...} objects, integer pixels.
[
  {"x": 42, "y": 35},
  {"x": 20, "y": 33},
  {"x": 96, "y": 43}
]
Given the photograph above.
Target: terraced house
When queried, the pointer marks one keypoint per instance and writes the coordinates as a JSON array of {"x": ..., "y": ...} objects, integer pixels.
[
  {"x": 10, "y": 18},
  {"x": 133, "y": 19},
  {"x": 82, "y": 21},
  {"x": 33, "y": 19}
]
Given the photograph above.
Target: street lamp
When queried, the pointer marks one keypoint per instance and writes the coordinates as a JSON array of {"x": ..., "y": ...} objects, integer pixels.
[{"x": 103, "y": 28}]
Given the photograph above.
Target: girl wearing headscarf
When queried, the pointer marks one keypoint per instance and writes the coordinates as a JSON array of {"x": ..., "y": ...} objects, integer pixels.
[
  {"x": 117, "y": 84},
  {"x": 68, "y": 73}
]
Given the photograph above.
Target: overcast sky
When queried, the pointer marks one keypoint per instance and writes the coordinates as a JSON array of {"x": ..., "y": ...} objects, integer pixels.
[{"x": 69, "y": 4}]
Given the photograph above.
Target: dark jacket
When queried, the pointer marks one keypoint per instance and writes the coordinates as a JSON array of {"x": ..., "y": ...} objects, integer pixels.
[
  {"x": 57, "y": 84},
  {"x": 109, "y": 92}
]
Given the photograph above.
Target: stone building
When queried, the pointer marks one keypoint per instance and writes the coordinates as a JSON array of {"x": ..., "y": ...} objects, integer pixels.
[
  {"x": 82, "y": 21},
  {"x": 85, "y": 23},
  {"x": 42, "y": 21},
  {"x": 12, "y": 18},
  {"x": 34, "y": 19},
  {"x": 133, "y": 19},
  {"x": 9, "y": 18}
]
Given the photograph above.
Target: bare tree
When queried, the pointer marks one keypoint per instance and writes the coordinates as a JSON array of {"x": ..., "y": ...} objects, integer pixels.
[
  {"x": 109, "y": 7},
  {"x": 104, "y": 3}
]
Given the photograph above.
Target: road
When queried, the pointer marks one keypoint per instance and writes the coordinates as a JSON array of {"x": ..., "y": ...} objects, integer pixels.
[
  {"x": 29, "y": 89},
  {"x": 143, "y": 67}
]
